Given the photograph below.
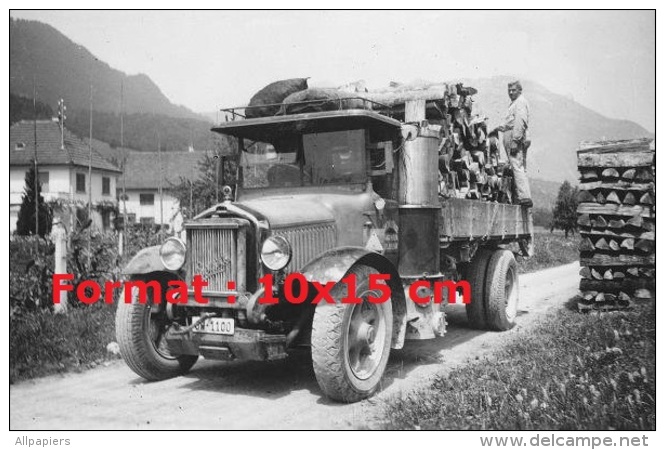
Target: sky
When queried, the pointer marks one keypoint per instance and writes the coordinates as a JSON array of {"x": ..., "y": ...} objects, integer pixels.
[{"x": 210, "y": 59}]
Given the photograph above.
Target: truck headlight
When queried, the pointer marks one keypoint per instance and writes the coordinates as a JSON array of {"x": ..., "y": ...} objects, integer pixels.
[
  {"x": 172, "y": 253},
  {"x": 276, "y": 253}
]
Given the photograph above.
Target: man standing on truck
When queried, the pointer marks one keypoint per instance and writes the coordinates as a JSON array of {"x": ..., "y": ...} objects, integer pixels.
[{"x": 516, "y": 141}]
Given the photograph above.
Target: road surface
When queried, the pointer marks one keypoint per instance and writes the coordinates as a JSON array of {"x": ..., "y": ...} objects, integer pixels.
[{"x": 273, "y": 395}]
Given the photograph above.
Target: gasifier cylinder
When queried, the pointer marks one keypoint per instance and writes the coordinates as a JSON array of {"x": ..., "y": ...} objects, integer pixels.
[
  {"x": 419, "y": 206},
  {"x": 419, "y": 169}
]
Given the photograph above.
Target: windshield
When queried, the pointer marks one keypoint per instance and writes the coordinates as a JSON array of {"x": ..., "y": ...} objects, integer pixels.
[{"x": 305, "y": 160}]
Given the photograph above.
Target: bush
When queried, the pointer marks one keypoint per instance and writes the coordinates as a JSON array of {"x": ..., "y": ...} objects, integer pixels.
[
  {"x": 92, "y": 256},
  {"x": 542, "y": 217},
  {"x": 30, "y": 269},
  {"x": 41, "y": 343}
]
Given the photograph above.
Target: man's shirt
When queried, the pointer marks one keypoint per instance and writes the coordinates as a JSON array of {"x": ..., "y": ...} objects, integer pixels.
[{"x": 517, "y": 120}]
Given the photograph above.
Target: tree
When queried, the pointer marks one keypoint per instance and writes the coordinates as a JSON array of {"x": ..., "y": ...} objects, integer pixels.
[
  {"x": 565, "y": 209},
  {"x": 215, "y": 171},
  {"x": 22, "y": 108},
  {"x": 26, "y": 215}
]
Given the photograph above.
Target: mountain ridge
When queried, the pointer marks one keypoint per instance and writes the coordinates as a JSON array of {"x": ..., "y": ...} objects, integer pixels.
[
  {"x": 65, "y": 69},
  {"x": 557, "y": 125}
]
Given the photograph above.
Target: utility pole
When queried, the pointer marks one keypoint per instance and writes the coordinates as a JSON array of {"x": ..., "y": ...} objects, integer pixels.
[
  {"x": 34, "y": 122},
  {"x": 90, "y": 162},
  {"x": 90, "y": 180},
  {"x": 191, "y": 200},
  {"x": 161, "y": 174},
  {"x": 216, "y": 175},
  {"x": 124, "y": 168}
]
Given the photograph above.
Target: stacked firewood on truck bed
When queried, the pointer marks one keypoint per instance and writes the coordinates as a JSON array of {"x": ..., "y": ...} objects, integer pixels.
[
  {"x": 471, "y": 162},
  {"x": 617, "y": 220}
]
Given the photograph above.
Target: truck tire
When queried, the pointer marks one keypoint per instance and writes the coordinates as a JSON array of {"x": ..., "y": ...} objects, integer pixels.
[
  {"x": 502, "y": 291},
  {"x": 351, "y": 342},
  {"x": 476, "y": 276},
  {"x": 140, "y": 338}
]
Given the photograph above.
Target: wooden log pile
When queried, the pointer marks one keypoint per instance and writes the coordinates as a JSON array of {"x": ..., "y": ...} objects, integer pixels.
[
  {"x": 617, "y": 222},
  {"x": 471, "y": 162}
]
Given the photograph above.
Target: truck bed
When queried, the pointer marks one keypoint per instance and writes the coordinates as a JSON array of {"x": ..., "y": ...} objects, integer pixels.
[{"x": 463, "y": 220}]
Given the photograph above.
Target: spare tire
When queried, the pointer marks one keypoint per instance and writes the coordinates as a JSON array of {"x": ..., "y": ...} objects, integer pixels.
[{"x": 271, "y": 94}]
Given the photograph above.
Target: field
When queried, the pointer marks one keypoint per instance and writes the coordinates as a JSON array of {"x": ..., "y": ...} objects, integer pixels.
[
  {"x": 600, "y": 374},
  {"x": 573, "y": 372},
  {"x": 551, "y": 249}
]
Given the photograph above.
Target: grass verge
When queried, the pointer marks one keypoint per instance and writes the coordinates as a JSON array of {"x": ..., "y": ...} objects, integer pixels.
[
  {"x": 572, "y": 372},
  {"x": 551, "y": 249},
  {"x": 43, "y": 343}
]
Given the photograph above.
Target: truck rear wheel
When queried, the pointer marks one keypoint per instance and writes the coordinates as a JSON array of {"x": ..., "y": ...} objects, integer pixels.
[
  {"x": 351, "y": 342},
  {"x": 476, "y": 276},
  {"x": 140, "y": 335},
  {"x": 502, "y": 291}
]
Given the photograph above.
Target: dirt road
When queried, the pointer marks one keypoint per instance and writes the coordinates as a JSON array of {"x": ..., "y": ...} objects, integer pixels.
[{"x": 277, "y": 395}]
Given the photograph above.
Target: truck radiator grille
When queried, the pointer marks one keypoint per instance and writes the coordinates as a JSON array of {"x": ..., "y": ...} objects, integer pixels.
[
  {"x": 212, "y": 253},
  {"x": 308, "y": 242}
]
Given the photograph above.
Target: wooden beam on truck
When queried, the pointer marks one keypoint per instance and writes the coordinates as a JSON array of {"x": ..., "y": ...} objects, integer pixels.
[{"x": 399, "y": 96}]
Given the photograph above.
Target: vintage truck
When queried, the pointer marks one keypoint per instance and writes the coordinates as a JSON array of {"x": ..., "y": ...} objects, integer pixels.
[{"x": 327, "y": 193}]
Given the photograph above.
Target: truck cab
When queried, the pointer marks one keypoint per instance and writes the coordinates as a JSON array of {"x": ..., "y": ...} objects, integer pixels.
[{"x": 338, "y": 235}]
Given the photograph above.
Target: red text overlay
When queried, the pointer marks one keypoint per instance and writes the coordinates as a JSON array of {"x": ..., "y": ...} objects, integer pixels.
[{"x": 296, "y": 289}]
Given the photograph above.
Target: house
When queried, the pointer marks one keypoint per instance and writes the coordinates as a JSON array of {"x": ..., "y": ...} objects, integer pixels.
[
  {"x": 63, "y": 164},
  {"x": 144, "y": 173}
]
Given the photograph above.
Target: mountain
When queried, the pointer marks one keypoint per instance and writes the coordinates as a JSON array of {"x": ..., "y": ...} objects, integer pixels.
[
  {"x": 63, "y": 69},
  {"x": 557, "y": 125}
]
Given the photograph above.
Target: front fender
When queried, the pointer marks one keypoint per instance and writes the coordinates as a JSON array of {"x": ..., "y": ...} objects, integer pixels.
[
  {"x": 334, "y": 264},
  {"x": 145, "y": 261}
]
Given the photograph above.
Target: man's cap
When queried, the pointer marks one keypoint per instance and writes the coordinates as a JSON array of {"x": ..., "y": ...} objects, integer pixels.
[{"x": 515, "y": 84}]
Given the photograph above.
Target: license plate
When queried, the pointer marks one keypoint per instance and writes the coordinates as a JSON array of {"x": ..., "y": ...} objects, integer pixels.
[{"x": 215, "y": 325}]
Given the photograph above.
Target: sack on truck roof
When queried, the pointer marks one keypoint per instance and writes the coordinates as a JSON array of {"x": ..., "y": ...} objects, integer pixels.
[
  {"x": 323, "y": 99},
  {"x": 272, "y": 94}
]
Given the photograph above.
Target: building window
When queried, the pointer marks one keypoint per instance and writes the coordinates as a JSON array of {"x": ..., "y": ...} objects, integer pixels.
[
  {"x": 43, "y": 180},
  {"x": 106, "y": 186},
  {"x": 146, "y": 199},
  {"x": 20, "y": 146},
  {"x": 147, "y": 221},
  {"x": 80, "y": 183}
]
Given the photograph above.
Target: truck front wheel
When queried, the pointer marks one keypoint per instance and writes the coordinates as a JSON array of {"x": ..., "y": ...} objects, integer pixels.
[
  {"x": 351, "y": 342},
  {"x": 140, "y": 335}
]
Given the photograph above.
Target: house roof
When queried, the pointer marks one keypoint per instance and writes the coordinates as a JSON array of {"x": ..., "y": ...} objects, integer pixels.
[
  {"x": 142, "y": 168},
  {"x": 76, "y": 151}
]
